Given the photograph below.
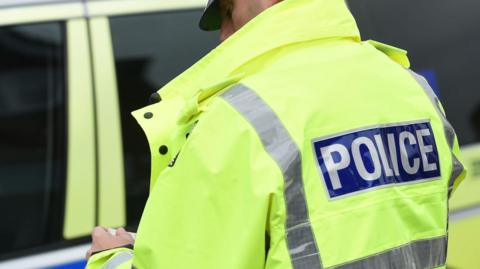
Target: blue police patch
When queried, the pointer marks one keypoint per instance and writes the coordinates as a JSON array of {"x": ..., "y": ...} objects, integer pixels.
[{"x": 370, "y": 158}]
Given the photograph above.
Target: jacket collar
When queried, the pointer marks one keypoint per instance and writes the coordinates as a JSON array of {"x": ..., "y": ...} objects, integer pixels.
[{"x": 291, "y": 21}]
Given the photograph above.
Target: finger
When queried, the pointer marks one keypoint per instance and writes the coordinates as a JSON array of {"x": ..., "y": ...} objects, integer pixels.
[
  {"x": 121, "y": 232},
  {"x": 99, "y": 232}
]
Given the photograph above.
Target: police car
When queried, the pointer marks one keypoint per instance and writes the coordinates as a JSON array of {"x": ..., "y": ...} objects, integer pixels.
[{"x": 72, "y": 157}]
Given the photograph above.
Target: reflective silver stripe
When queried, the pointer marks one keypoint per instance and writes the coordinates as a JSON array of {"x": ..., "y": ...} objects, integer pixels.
[
  {"x": 448, "y": 129},
  {"x": 118, "y": 259},
  {"x": 281, "y": 147},
  {"x": 422, "y": 254},
  {"x": 456, "y": 172}
]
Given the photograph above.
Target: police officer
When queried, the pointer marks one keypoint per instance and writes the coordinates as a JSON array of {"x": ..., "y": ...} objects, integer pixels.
[{"x": 292, "y": 145}]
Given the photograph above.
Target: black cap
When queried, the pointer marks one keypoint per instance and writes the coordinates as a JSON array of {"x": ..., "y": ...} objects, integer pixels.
[{"x": 211, "y": 19}]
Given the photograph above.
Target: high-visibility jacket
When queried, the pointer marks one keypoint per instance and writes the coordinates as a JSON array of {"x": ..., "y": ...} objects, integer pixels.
[{"x": 295, "y": 145}]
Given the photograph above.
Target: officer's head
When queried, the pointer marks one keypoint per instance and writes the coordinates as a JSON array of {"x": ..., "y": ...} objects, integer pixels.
[{"x": 231, "y": 15}]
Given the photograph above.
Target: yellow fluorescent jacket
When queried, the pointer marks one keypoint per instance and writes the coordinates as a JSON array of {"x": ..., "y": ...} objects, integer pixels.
[{"x": 295, "y": 145}]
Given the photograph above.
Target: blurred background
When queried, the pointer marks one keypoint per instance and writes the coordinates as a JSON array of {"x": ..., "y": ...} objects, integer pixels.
[{"x": 72, "y": 157}]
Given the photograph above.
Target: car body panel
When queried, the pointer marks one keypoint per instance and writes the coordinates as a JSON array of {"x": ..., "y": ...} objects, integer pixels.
[
  {"x": 463, "y": 243},
  {"x": 80, "y": 200},
  {"x": 40, "y": 11},
  {"x": 468, "y": 193},
  {"x": 71, "y": 258},
  {"x": 111, "y": 210},
  {"x": 115, "y": 7},
  {"x": 464, "y": 229}
]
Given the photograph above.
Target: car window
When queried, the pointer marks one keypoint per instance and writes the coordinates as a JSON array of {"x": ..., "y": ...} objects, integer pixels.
[
  {"x": 150, "y": 50},
  {"x": 32, "y": 135}
]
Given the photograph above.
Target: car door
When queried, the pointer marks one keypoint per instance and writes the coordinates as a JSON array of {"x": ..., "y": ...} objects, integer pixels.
[
  {"x": 71, "y": 79},
  {"x": 47, "y": 145},
  {"x": 464, "y": 241}
]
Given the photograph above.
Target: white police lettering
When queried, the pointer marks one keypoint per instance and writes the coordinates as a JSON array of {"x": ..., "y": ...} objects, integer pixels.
[
  {"x": 357, "y": 157},
  {"x": 333, "y": 167},
  {"x": 424, "y": 150},
  {"x": 411, "y": 169},
  {"x": 379, "y": 156},
  {"x": 383, "y": 156}
]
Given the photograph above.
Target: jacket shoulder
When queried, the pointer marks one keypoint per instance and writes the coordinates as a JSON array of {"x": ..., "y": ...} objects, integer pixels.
[
  {"x": 223, "y": 137},
  {"x": 396, "y": 54}
]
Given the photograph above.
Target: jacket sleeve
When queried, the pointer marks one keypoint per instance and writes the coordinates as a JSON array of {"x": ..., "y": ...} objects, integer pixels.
[
  {"x": 458, "y": 170},
  {"x": 213, "y": 208},
  {"x": 118, "y": 258}
]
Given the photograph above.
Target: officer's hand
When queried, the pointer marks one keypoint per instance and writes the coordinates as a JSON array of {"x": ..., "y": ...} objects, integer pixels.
[{"x": 103, "y": 240}]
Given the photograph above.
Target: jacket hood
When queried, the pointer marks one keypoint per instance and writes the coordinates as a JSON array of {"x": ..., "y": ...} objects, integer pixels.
[{"x": 287, "y": 22}]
